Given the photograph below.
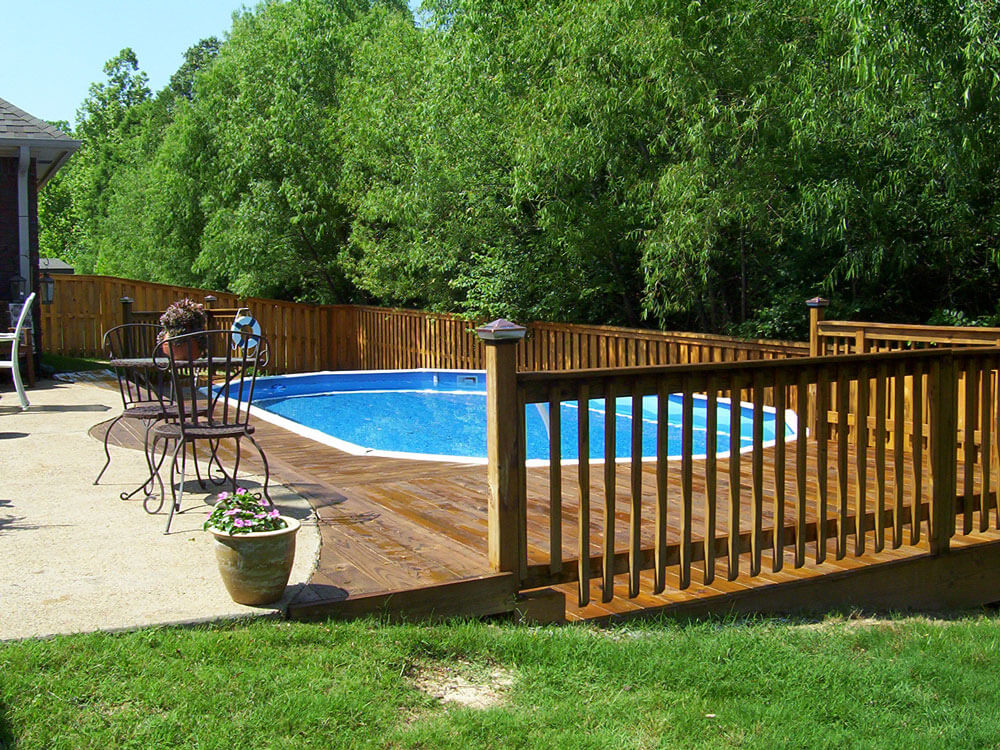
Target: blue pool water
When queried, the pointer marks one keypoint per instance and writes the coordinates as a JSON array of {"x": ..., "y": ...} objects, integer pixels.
[{"x": 443, "y": 413}]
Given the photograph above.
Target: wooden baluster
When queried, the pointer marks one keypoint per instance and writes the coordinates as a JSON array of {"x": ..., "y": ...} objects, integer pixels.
[
  {"x": 734, "y": 478},
  {"x": 687, "y": 450},
  {"x": 608, "y": 569},
  {"x": 843, "y": 403},
  {"x": 986, "y": 448},
  {"x": 778, "y": 546},
  {"x": 711, "y": 451},
  {"x": 898, "y": 453},
  {"x": 662, "y": 453},
  {"x": 861, "y": 461},
  {"x": 801, "y": 446},
  {"x": 995, "y": 404},
  {"x": 583, "y": 471},
  {"x": 881, "y": 377},
  {"x": 917, "y": 452},
  {"x": 822, "y": 446},
  {"x": 521, "y": 438},
  {"x": 555, "y": 481},
  {"x": 635, "y": 512},
  {"x": 971, "y": 386},
  {"x": 942, "y": 403},
  {"x": 757, "y": 476}
]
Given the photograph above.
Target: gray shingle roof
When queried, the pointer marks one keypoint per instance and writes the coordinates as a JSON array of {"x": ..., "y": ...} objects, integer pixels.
[{"x": 16, "y": 123}]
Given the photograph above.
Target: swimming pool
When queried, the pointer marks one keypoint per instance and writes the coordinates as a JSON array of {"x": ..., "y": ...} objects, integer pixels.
[{"x": 441, "y": 415}]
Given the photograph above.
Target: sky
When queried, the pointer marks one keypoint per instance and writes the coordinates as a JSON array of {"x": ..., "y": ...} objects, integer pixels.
[{"x": 52, "y": 51}]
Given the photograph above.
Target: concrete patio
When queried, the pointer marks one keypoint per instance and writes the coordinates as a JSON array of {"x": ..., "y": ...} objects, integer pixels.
[{"x": 76, "y": 557}]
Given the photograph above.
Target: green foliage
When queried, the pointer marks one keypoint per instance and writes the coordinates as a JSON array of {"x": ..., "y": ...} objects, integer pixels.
[
  {"x": 242, "y": 512},
  {"x": 704, "y": 164}
]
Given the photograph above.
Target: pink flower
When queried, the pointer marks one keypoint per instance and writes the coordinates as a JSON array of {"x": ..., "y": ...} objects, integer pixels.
[
  {"x": 240, "y": 523},
  {"x": 273, "y": 514},
  {"x": 241, "y": 490}
]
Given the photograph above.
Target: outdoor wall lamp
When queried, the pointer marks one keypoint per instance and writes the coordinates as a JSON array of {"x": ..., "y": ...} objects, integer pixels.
[
  {"x": 48, "y": 288},
  {"x": 18, "y": 286}
]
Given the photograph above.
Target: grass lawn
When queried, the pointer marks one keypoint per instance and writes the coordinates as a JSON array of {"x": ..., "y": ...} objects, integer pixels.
[
  {"x": 887, "y": 683},
  {"x": 58, "y": 363}
]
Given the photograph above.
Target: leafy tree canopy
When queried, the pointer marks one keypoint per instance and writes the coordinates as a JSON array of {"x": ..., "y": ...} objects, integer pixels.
[{"x": 703, "y": 165}]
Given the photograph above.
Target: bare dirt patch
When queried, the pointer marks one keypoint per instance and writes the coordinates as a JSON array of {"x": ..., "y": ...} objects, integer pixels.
[{"x": 463, "y": 684}]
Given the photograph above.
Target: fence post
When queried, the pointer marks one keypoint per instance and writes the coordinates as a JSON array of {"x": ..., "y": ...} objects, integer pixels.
[
  {"x": 942, "y": 395},
  {"x": 817, "y": 311},
  {"x": 126, "y": 309},
  {"x": 505, "y": 465}
]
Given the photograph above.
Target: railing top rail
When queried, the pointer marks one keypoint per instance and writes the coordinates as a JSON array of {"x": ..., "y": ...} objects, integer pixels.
[
  {"x": 972, "y": 334},
  {"x": 748, "y": 366}
]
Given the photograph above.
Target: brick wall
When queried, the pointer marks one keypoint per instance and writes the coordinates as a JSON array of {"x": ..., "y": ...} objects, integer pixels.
[
  {"x": 8, "y": 231},
  {"x": 9, "y": 258}
]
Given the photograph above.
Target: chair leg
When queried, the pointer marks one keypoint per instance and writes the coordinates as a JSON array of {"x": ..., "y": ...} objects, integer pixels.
[
  {"x": 218, "y": 462},
  {"x": 236, "y": 465},
  {"x": 107, "y": 452},
  {"x": 175, "y": 496},
  {"x": 156, "y": 471},
  {"x": 267, "y": 471},
  {"x": 197, "y": 467},
  {"x": 147, "y": 486},
  {"x": 18, "y": 385}
]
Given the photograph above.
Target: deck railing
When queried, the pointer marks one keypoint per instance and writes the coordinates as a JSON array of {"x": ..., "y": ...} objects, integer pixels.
[{"x": 822, "y": 490}]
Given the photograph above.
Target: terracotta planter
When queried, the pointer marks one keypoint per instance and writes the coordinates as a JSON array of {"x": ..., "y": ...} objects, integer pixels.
[
  {"x": 184, "y": 351},
  {"x": 255, "y": 567}
]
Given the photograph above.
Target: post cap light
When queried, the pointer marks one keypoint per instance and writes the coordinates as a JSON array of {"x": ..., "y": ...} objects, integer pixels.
[{"x": 501, "y": 330}]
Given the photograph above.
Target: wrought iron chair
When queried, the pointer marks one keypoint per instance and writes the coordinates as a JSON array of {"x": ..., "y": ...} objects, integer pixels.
[
  {"x": 145, "y": 389},
  {"x": 14, "y": 338},
  {"x": 212, "y": 374}
]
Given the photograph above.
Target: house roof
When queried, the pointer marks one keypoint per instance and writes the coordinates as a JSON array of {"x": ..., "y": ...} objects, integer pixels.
[
  {"x": 54, "y": 265},
  {"x": 49, "y": 146}
]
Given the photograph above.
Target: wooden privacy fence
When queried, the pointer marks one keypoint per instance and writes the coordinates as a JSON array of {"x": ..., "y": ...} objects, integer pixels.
[
  {"x": 815, "y": 492},
  {"x": 307, "y": 337},
  {"x": 302, "y": 337}
]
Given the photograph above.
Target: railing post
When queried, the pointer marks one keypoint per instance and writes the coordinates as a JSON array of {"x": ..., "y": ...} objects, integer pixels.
[
  {"x": 817, "y": 311},
  {"x": 505, "y": 464},
  {"x": 210, "y": 299},
  {"x": 942, "y": 395},
  {"x": 126, "y": 309}
]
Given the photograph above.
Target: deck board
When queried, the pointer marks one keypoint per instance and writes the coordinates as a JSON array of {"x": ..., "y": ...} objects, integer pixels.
[{"x": 391, "y": 525}]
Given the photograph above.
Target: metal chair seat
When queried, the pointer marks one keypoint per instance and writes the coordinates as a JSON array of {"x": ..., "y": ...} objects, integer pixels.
[{"x": 189, "y": 432}]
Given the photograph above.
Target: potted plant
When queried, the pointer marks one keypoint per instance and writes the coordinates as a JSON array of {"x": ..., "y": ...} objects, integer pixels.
[
  {"x": 182, "y": 317},
  {"x": 254, "y": 547}
]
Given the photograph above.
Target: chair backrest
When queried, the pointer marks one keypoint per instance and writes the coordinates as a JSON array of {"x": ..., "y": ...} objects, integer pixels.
[
  {"x": 218, "y": 368},
  {"x": 129, "y": 349},
  {"x": 25, "y": 314}
]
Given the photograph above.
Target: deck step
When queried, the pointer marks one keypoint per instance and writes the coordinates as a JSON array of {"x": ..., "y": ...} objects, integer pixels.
[{"x": 467, "y": 597}]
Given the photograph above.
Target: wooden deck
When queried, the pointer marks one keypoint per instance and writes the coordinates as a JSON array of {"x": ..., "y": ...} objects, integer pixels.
[{"x": 409, "y": 537}]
